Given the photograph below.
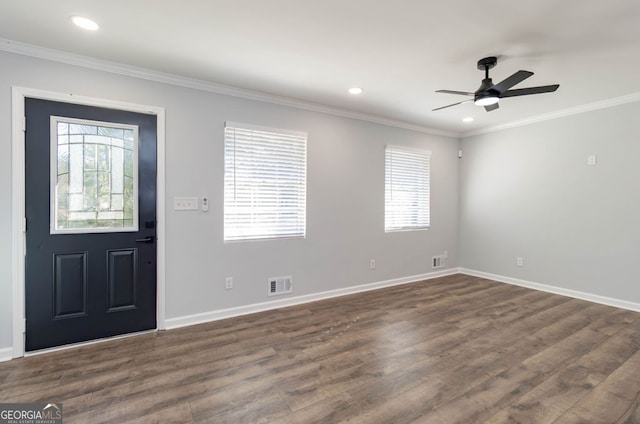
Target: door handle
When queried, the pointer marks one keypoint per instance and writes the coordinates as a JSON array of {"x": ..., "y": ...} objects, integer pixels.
[{"x": 148, "y": 239}]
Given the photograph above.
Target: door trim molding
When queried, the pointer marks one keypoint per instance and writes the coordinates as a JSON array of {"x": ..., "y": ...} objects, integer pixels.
[{"x": 18, "y": 245}]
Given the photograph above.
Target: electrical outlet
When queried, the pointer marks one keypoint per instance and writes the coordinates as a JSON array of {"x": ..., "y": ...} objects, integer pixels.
[
  {"x": 446, "y": 254},
  {"x": 372, "y": 264},
  {"x": 519, "y": 261},
  {"x": 228, "y": 283}
]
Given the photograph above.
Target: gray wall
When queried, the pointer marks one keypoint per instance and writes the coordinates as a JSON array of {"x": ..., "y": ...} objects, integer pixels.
[
  {"x": 528, "y": 192},
  {"x": 345, "y": 212}
]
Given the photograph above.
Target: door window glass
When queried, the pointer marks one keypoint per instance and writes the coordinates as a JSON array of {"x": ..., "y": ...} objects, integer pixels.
[{"x": 94, "y": 176}]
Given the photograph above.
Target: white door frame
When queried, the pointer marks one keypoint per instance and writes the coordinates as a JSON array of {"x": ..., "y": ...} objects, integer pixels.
[{"x": 18, "y": 247}]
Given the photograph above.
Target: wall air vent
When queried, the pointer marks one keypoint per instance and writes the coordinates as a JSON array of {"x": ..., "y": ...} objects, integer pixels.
[
  {"x": 280, "y": 285},
  {"x": 437, "y": 261}
]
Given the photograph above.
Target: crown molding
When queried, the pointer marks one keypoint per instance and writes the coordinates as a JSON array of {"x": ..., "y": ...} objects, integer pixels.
[
  {"x": 53, "y": 55},
  {"x": 59, "y": 56},
  {"x": 602, "y": 104}
]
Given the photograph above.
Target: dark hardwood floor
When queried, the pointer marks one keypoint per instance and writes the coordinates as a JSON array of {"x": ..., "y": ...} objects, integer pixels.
[{"x": 450, "y": 350}]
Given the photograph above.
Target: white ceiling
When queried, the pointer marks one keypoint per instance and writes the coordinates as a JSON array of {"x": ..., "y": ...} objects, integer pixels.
[{"x": 399, "y": 51}]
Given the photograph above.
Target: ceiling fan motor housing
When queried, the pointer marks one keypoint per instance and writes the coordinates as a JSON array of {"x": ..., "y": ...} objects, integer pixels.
[{"x": 485, "y": 87}]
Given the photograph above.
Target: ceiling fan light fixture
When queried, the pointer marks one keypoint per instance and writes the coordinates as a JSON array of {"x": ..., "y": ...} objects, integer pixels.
[{"x": 486, "y": 100}]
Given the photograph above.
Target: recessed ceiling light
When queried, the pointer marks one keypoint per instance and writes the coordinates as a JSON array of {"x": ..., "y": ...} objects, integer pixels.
[
  {"x": 85, "y": 23},
  {"x": 355, "y": 90},
  {"x": 467, "y": 119}
]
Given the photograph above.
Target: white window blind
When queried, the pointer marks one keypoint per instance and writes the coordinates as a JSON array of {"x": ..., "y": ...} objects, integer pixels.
[
  {"x": 264, "y": 182},
  {"x": 406, "y": 189}
]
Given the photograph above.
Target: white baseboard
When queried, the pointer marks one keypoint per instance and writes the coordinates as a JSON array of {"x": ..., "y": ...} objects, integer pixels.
[
  {"x": 291, "y": 301},
  {"x": 6, "y": 354},
  {"x": 171, "y": 323},
  {"x": 618, "y": 303}
]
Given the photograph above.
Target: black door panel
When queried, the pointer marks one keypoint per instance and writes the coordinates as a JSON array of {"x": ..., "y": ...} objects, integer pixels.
[{"x": 86, "y": 286}]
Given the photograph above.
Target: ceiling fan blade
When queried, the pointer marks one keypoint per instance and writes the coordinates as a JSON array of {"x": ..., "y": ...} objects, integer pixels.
[
  {"x": 489, "y": 108},
  {"x": 462, "y": 93},
  {"x": 509, "y": 82},
  {"x": 531, "y": 90},
  {"x": 454, "y": 104}
]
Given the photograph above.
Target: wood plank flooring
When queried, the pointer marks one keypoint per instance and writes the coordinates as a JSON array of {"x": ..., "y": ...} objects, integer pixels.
[{"x": 456, "y": 349}]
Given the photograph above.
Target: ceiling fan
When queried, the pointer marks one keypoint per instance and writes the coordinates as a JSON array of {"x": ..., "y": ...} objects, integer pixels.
[{"x": 489, "y": 93}]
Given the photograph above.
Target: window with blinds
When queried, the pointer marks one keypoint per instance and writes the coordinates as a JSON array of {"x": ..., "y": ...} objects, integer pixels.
[
  {"x": 265, "y": 183},
  {"x": 406, "y": 189}
]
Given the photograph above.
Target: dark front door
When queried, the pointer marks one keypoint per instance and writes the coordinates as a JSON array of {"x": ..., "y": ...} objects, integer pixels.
[{"x": 90, "y": 177}]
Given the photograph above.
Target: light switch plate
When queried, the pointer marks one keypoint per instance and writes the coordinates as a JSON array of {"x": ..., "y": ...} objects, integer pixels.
[{"x": 185, "y": 203}]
